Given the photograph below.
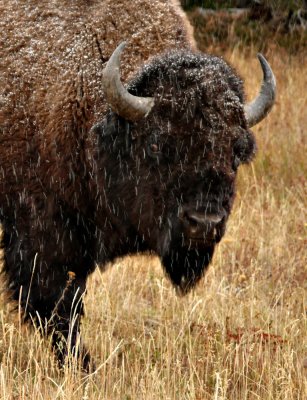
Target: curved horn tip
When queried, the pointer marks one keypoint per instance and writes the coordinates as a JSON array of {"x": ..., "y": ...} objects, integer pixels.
[
  {"x": 132, "y": 108},
  {"x": 268, "y": 74},
  {"x": 257, "y": 110},
  {"x": 122, "y": 45},
  {"x": 119, "y": 49},
  {"x": 114, "y": 60}
]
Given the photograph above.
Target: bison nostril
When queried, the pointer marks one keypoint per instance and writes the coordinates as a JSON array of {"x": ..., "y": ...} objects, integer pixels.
[
  {"x": 191, "y": 221},
  {"x": 198, "y": 218}
]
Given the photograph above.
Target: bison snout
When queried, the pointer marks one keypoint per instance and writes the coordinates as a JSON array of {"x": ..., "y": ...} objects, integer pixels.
[
  {"x": 203, "y": 218},
  {"x": 200, "y": 225}
]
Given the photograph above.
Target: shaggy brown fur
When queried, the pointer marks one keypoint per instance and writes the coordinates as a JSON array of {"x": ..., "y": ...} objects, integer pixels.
[{"x": 52, "y": 60}]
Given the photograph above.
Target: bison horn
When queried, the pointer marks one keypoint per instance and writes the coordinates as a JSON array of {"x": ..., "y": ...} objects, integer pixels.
[
  {"x": 123, "y": 103},
  {"x": 258, "y": 109}
]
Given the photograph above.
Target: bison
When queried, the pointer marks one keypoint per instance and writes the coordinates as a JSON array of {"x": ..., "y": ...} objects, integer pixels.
[{"x": 91, "y": 170}]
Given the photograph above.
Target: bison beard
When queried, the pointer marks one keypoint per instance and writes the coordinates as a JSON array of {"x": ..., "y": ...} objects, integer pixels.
[
  {"x": 185, "y": 267},
  {"x": 163, "y": 183}
]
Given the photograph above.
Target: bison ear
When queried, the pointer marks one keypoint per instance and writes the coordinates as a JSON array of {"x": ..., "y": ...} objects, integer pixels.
[
  {"x": 115, "y": 131},
  {"x": 112, "y": 124},
  {"x": 245, "y": 147}
]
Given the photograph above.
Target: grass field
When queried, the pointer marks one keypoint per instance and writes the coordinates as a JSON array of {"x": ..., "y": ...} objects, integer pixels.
[{"x": 242, "y": 334}]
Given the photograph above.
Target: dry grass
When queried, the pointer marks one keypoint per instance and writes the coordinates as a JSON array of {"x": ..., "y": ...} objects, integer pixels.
[{"x": 241, "y": 335}]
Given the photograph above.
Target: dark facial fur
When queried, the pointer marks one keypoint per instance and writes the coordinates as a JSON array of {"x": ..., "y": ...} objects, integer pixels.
[{"x": 181, "y": 159}]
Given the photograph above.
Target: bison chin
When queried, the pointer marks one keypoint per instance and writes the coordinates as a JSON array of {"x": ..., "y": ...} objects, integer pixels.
[
  {"x": 185, "y": 267},
  {"x": 186, "y": 247}
]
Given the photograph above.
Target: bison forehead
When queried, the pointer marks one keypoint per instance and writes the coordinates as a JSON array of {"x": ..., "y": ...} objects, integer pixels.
[
  {"x": 179, "y": 71},
  {"x": 192, "y": 88}
]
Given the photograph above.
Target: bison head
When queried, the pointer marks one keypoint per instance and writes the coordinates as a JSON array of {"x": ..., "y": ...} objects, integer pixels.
[{"x": 170, "y": 149}]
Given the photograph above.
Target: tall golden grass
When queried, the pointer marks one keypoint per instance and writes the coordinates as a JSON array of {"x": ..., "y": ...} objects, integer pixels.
[{"x": 242, "y": 334}]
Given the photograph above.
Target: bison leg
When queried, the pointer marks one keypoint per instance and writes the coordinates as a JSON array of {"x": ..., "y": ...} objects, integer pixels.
[
  {"x": 64, "y": 322},
  {"x": 47, "y": 275}
]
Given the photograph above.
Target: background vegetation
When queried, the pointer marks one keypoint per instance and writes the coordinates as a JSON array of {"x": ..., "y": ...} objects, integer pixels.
[
  {"x": 242, "y": 333},
  {"x": 277, "y": 5},
  {"x": 265, "y": 24}
]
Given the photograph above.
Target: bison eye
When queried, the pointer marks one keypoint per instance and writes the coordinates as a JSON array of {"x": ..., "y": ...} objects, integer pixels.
[{"x": 154, "y": 148}]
